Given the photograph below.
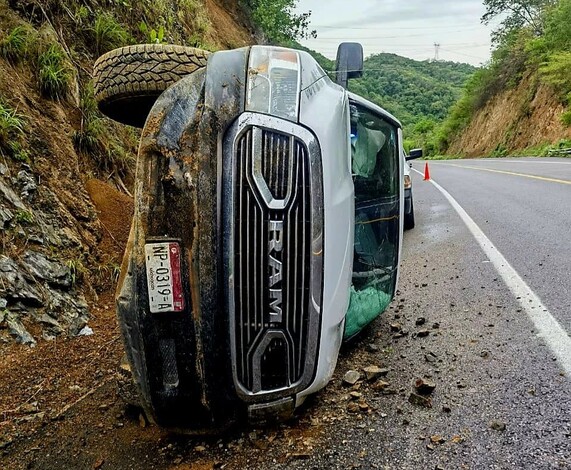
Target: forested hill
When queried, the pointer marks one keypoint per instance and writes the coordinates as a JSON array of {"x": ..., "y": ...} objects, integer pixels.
[
  {"x": 412, "y": 90},
  {"x": 419, "y": 93}
]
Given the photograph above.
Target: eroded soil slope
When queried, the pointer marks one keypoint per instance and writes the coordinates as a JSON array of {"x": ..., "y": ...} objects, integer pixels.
[{"x": 519, "y": 118}]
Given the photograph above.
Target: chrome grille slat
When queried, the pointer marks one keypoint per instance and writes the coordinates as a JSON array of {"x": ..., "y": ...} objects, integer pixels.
[
  {"x": 303, "y": 245},
  {"x": 240, "y": 245}
]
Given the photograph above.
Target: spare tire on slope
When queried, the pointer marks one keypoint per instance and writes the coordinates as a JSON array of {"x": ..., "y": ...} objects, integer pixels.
[{"x": 128, "y": 80}]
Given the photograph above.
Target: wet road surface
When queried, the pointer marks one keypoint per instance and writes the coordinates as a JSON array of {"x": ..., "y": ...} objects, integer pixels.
[{"x": 502, "y": 398}]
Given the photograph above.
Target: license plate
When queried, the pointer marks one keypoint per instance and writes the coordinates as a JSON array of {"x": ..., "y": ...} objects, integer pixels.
[{"x": 164, "y": 282}]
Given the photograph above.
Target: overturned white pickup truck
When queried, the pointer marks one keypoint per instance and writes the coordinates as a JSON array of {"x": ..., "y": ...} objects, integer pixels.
[{"x": 267, "y": 227}]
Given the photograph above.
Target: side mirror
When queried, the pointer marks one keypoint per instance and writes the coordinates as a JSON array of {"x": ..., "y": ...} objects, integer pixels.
[
  {"x": 414, "y": 154},
  {"x": 349, "y": 62}
]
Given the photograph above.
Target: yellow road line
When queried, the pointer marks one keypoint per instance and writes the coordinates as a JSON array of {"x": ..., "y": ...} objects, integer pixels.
[{"x": 542, "y": 178}]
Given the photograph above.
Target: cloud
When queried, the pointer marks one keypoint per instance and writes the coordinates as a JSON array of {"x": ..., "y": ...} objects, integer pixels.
[
  {"x": 405, "y": 27},
  {"x": 398, "y": 11}
]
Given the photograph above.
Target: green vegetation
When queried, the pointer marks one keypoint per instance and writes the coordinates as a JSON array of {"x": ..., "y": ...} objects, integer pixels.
[
  {"x": 152, "y": 35},
  {"x": 11, "y": 124},
  {"x": 517, "y": 15},
  {"x": 24, "y": 217},
  {"x": 108, "y": 34},
  {"x": 192, "y": 15},
  {"x": 14, "y": 46},
  {"x": 87, "y": 138},
  {"x": 18, "y": 152},
  {"x": 11, "y": 131},
  {"x": 278, "y": 21},
  {"x": 107, "y": 273},
  {"x": 54, "y": 74},
  {"x": 419, "y": 93},
  {"x": 532, "y": 40},
  {"x": 107, "y": 148},
  {"x": 77, "y": 270},
  {"x": 559, "y": 149}
]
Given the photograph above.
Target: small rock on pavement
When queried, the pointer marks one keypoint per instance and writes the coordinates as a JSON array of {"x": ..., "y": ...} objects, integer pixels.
[
  {"x": 423, "y": 333},
  {"x": 430, "y": 357},
  {"x": 372, "y": 373},
  {"x": 419, "y": 400},
  {"x": 372, "y": 347},
  {"x": 356, "y": 395},
  {"x": 381, "y": 385},
  {"x": 424, "y": 386},
  {"x": 420, "y": 321},
  {"x": 498, "y": 425},
  {"x": 436, "y": 439},
  {"x": 351, "y": 377},
  {"x": 353, "y": 407}
]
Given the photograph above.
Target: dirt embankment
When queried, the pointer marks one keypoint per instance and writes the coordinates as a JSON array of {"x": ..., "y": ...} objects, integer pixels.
[
  {"x": 65, "y": 216},
  {"x": 519, "y": 118},
  {"x": 54, "y": 258}
]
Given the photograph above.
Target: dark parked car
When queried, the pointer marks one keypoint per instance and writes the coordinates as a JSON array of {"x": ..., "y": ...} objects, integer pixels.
[{"x": 408, "y": 201}]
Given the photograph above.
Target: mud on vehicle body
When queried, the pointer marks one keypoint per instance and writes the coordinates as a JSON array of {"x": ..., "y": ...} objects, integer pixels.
[{"x": 267, "y": 227}]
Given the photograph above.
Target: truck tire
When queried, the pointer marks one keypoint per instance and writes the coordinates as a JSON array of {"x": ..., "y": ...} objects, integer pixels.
[{"x": 128, "y": 80}]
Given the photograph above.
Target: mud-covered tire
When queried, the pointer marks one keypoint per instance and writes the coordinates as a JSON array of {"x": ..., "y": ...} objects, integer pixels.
[{"x": 127, "y": 81}]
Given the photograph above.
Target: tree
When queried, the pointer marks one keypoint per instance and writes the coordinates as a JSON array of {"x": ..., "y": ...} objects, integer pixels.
[
  {"x": 518, "y": 14},
  {"x": 279, "y": 22}
]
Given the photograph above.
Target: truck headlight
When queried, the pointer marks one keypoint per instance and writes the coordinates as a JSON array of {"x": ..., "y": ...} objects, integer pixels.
[{"x": 273, "y": 82}]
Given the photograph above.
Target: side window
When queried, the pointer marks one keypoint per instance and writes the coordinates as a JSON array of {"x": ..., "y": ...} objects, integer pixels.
[
  {"x": 376, "y": 176},
  {"x": 374, "y": 145}
]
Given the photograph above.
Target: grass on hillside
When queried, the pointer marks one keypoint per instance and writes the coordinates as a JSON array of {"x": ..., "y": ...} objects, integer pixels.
[
  {"x": 54, "y": 74},
  {"x": 14, "y": 46},
  {"x": 108, "y": 34},
  {"x": 11, "y": 124}
]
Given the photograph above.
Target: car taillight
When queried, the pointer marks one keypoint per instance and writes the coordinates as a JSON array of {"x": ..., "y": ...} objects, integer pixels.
[{"x": 407, "y": 182}]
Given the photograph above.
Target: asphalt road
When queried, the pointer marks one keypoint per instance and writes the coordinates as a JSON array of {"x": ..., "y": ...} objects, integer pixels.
[
  {"x": 493, "y": 369},
  {"x": 524, "y": 207},
  {"x": 502, "y": 397}
]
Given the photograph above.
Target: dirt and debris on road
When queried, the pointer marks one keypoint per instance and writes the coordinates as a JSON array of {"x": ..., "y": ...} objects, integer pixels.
[{"x": 475, "y": 404}]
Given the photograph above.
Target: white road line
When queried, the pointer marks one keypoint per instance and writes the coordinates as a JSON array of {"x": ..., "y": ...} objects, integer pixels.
[{"x": 547, "y": 326}]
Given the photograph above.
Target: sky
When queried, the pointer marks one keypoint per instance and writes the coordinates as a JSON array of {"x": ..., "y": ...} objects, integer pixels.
[{"x": 409, "y": 28}]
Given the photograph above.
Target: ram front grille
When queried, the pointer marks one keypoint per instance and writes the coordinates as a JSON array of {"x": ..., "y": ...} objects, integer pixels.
[{"x": 275, "y": 255}]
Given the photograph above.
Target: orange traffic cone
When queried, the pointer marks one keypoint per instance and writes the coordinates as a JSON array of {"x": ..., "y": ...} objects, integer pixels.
[{"x": 426, "y": 172}]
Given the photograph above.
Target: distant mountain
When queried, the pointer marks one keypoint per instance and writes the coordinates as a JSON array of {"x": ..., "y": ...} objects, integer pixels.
[
  {"x": 411, "y": 89},
  {"x": 327, "y": 64}
]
